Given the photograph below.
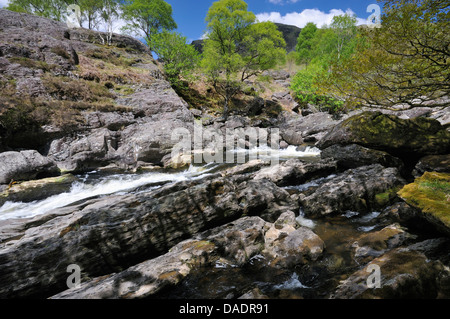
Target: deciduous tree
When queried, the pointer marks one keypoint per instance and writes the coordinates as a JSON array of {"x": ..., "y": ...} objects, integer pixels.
[{"x": 237, "y": 47}]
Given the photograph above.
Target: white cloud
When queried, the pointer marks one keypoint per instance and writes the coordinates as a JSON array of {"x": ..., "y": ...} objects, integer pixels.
[
  {"x": 300, "y": 19},
  {"x": 282, "y": 2},
  {"x": 3, "y": 3}
]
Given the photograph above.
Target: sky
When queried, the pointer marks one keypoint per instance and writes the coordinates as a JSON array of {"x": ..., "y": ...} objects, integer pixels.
[{"x": 190, "y": 15}]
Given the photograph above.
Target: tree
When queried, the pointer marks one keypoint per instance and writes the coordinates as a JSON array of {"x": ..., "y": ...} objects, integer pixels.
[
  {"x": 178, "y": 57},
  {"x": 237, "y": 47},
  {"x": 344, "y": 28},
  {"x": 304, "y": 46},
  {"x": 148, "y": 17},
  {"x": 110, "y": 14},
  {"x": 90, "y": 12},
  {"x": 403, "y": 62},
  {"x": 52, "y": 9}
]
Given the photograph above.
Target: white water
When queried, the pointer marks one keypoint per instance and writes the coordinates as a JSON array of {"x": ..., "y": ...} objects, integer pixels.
[
  {"x": 291, "y": 284},
  {"x": 303, "y": 221},
  {"x": 108, "y": 185},
  {"x": 118, "y": 184}
]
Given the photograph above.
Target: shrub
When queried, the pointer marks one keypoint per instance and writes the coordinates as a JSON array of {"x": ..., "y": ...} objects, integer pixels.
[{"x": 306, "y": 91}]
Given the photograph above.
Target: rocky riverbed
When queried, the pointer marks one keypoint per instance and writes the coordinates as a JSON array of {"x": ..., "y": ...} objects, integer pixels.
[{"x": 345, "y": 196}]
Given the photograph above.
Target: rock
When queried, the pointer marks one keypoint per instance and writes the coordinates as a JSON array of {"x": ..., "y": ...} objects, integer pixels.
[
  {"x": 247, "y": 168},
  {"x": 149, "y": 142},
  {"x": 308, "y": 125},
  {"x": 112, "y": 121},
  {"x": 110, "y": 234},
  {"x": 159, "y": 102},
  {"x": 147, "y": 278},
  {"x": 353, "y": 190},
  {"x": 405, "y": 273},
  {"x": 237, "y": 241},
  {"x": 286, "y": 245},
  {"x": 432, "y": 163},
  {"x": 25, "y": 165},
  {"x": 292, "y": 137},
  {"x": 255, "y": 293},
  {"x": 442, "y": 115},
  {"x": 117, "y": 40},
  {"x": 277, "y": 74},
  {"x": 84, "y": 152},
  {"x": 431, "y": 195},
  {"x": 353, "y": 155},
  {"x": 38, "y": 189},
  {"x": 263, "y": 198},
  {"x": 401, "y": 138},
  {"x": 295, "y": 172},
  {"x": 374, "y": 244},
  {"x": 196, "y": 113},
  {"x": 256, "y": 106},
  {"x": 282, "y": 97}
]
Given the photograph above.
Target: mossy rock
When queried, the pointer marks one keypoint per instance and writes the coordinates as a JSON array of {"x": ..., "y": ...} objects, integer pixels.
[
  {"x": 431, "y": 194},
  {"x": 420, "y": 136},
  {"x": 37, "y": 189}
]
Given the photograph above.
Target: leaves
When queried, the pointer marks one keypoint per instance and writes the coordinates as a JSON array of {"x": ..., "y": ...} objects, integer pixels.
[
  {"x": 237, "y": 48},
  {"x": 403, "y": 62},
  {"x": 178, "y": 57},
  {"x": 148, "y": 17}
]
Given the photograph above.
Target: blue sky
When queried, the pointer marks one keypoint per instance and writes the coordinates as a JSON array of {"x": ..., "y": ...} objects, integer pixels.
[{"x": 190, "y": 15}]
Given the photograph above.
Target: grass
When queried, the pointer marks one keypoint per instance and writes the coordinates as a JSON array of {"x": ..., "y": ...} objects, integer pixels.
[
  {"x": 68, "y": 89},
  {"x": 33, "y": 64}
]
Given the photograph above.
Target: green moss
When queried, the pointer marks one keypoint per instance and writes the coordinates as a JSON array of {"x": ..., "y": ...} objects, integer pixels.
[
  {"x": 385, "y": 198},
  {"x": 430, "y": 193}
]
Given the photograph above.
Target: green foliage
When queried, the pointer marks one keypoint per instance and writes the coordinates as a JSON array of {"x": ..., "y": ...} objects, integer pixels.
[
  {"x": 319, "y": 49},
  {"x": 405, "y": 61},
  {"x": 179, "y": 58},
  {"x": 304, "y": 46},
  {"x": 237, "y": 47},
  {"x": 148, "y": 17},
  {"x": 52, "y": 9}
]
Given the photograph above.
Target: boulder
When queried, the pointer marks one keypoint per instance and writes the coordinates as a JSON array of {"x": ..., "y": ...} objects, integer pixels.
[
  {"x": 287, "y": 245},
  {"x": 237, "y": 241},
  {"x": 295, "y": 172},
  {"x": 25, "y": 165},
  {"x": 405, "y": 273},
  {"x": 313, "y": 124},
  {"x": 432, "y": 163},
  {"x": 431, "y": 195},
  {"x": 353, "y": 155},
  {"x": 85, "y": 151},
  {"x": 354, "y": 190},
  {"x": 402, "y": 138},
  {"x": 29, "y": 191},
  {"x": 158, "y": 101},
  {"x": 371, "y": 245}
]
